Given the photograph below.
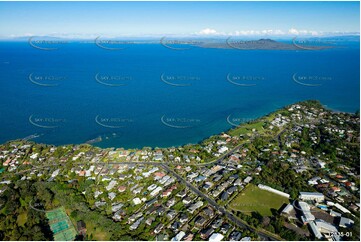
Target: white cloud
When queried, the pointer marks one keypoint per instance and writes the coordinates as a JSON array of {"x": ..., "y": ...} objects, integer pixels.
[
  {"x": 257, "y": 32},
  {"x": 208, "y": 31},
  {"x": 266, "y": 33},
  {"x": 262, "y": 33},
  {"x": 294, "y": 31},
  {"x": 314, "y": 33},
  {"x": 246, "y": 32}
]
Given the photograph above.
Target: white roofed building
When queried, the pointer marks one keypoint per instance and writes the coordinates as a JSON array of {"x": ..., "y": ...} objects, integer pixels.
[
  {"x": 325, "y": 227},
  {"x": 216, "y": 237},
  {"x": 307, "y": 215},
  {"x": 315, "y": 196},
  {"x": 179, "y": 236},
  {"x": 315, "y": 230}
]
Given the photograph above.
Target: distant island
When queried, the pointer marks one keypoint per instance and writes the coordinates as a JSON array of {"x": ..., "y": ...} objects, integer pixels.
[
  {"x": 261, "y": 44},
  {"x": 232, "y": 42}
]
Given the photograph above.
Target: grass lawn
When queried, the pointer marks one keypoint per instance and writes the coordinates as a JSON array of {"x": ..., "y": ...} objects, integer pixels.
[
  {"x": 257, "y": 125},
  {"x": 253, "y": 199},
  {"x": 247, "y": 128},
  {"x": 22, "y": 218},
  {"x": 97, "y": 233}
]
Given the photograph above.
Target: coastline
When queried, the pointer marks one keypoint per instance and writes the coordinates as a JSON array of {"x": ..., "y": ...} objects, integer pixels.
[{"x": 99, "y": 139}]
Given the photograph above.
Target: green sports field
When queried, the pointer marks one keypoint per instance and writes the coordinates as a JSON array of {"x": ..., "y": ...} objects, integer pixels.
[{"x": 253, "y": 199}]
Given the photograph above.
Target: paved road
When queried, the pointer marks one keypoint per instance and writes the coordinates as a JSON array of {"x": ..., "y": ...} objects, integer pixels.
[
  {"x": 165, "y": 166},
  {"x": 144, "y": 162},
  {"x": 229, "y": 215},
  {"x": 221, "y": 157}
]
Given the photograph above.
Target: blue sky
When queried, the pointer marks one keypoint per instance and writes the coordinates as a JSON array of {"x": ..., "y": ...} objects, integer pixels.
[{"x": 88, "y": 19}]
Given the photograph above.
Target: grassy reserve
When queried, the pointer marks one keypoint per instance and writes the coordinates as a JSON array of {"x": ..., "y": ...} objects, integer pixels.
[
  {"x": 253, "y": 199},
  {"x": 258, "y": 125},
  {"x": 247, "y": 128}
]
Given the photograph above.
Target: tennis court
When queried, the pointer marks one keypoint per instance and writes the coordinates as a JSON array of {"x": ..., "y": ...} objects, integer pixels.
[{"x": 61, "y": 225}]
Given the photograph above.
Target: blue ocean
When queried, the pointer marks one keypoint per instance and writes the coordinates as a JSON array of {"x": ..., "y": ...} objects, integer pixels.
[{"x": 149, "y": 95}]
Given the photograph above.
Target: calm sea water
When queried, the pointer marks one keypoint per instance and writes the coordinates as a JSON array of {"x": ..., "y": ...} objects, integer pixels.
[{"x": 148, "y": 95}]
